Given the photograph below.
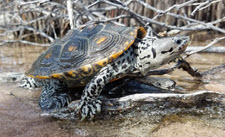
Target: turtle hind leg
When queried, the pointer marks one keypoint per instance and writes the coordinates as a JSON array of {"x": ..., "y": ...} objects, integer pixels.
[{"x": 53, "y": 96}]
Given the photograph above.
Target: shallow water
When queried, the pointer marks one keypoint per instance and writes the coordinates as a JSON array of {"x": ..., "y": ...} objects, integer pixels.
[{"x": 20, "y": 114}]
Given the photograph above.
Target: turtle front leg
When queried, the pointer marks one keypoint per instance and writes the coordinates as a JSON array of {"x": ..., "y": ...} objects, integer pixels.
[
  {"x": 90, "y": 105},
  {"x": 53, "y": 96}
]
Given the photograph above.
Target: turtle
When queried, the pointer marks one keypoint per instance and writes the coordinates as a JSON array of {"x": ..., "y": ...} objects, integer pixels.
[{"x": 94, "y": 56}]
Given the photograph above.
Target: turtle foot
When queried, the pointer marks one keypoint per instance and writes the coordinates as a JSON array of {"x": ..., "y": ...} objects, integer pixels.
[{"x": 89, "y": 108}]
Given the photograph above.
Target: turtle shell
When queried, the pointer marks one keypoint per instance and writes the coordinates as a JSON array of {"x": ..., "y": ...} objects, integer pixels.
[{"x": 82, "y": 53}]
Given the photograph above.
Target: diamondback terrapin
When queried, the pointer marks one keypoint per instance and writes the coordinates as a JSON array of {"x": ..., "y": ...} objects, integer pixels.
[{"x": 93, "y": 57}]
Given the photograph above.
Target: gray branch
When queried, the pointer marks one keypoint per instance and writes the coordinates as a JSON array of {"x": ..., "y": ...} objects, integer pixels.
[{"x": 216, "y": 40}]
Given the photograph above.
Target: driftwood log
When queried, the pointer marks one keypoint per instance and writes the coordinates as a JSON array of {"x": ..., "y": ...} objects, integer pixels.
[{"x": 202, "y": 102}]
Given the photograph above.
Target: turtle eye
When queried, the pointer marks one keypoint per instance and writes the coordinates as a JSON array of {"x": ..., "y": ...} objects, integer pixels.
[{"x": 178, "y": 42}]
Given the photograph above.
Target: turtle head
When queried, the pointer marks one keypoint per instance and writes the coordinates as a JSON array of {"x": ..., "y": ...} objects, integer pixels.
[{"x": 153, "y": 53}]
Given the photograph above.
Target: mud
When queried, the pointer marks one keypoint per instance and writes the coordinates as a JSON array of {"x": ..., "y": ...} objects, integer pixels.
[{"x": 20, "y": 114}]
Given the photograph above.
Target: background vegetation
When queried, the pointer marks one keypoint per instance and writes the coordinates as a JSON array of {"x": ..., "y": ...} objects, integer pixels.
[{"x": 39, "y": 22}]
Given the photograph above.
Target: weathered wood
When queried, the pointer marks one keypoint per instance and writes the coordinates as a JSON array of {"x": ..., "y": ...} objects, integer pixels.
[
  {"x": 70, "y": 13},
  {"x": 219, "y": 69},
  {"x": 151, "y": 104},
  {"x": 207, "y": 46},
  {"x": 203, "y": 50}
]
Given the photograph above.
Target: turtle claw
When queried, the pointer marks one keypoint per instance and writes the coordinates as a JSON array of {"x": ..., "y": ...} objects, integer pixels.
[{"x": 89, "y": 109}]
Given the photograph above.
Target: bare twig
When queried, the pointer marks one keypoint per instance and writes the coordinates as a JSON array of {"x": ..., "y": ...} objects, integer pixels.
[
  {"x": 208, "y": 50},
  {"x": 200, "y": 6},
  {"x": 216, "y": 40},
  {"x": 70, "y": 13},
  {"x": 3, "y": 42},
  {"x": 212, "y": 1},
  {"x": 177, "y": 6},
  {"x": 200, "y": 25}
]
